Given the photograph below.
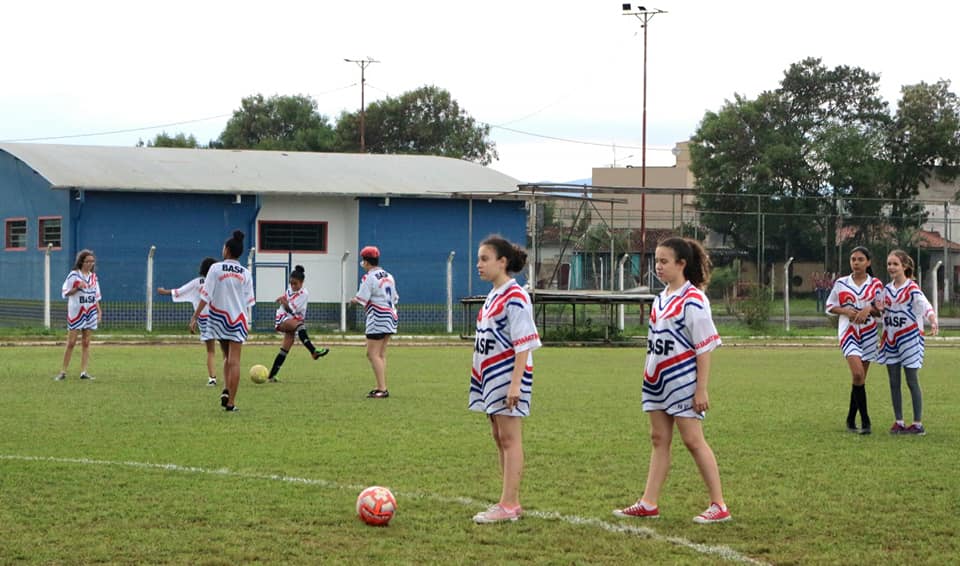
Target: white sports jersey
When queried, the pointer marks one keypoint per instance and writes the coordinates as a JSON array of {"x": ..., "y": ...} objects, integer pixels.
[
  {"x": 904, "y": 310},
  {"x": 681, "y": 328},
  {"x": 190, "y": 293},
  {"x": 505, "y": 326},
  {"x": 83, "y": 309},
  {"x": 378, "y": 295},
  {"x": 856, "y": 339},
  {"x": 228, "y": 291},
  {"x": 297, "y": 301}
]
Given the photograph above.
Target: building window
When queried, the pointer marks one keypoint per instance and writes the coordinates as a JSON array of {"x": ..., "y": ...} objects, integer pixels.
[
  {"x": 16, "y": 233},
  {"x": 283, "y": 236},
  {"x": 50, "y": 232}
]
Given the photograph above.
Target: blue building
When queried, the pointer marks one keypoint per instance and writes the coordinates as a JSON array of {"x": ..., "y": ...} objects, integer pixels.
[{"x": 295, "y": 208}]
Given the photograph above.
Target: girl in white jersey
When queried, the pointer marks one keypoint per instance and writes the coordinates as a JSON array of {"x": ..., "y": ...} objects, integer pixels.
[
  {"x": 854, "y": 299},
  {"x": 679, "y": 342},
  {"x": 904, "y": 310},
  {"x": 291, "y": 319},
  {"x": 501, "y": 380},
  {"x": 228, "y": 292},
  {"x": 189, "y": 292},
  {"x": 378, "y": 296},
  {"x": 81, "y": 288}
]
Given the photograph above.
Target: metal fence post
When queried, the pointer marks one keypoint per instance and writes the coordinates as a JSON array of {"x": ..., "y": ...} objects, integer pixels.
[
  {"x": 786, "y": 294},
  {"x": 620, "y": 306},
  {"x": 150, "y": 255},
  {"x": 936, "y": 293},
  {"x": 46, "y": 287},
  {"x": 251, "y": 268},
  {"x": 450, "y": 292},
  {"x": 343, "y": 292}
]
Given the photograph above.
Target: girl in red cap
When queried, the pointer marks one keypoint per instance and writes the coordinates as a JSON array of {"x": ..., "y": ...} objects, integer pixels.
[{"x": 378, "y": 296}]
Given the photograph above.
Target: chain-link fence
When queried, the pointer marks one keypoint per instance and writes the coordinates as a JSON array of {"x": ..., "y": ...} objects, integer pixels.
[
  {"x": 577, "y": 245},
  {"x": 590, "y": 246},
  {"x": 158, "y": 313}
]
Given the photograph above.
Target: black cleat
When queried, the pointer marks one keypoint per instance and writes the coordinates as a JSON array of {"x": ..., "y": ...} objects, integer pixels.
[{"x": 224, "y": 398}]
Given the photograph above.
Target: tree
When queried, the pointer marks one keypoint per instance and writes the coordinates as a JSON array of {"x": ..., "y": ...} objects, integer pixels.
[
  {"x": 923, "y": 143},
  {"x": 425, "y": 121},
  {"x": 165, "y": 140},
  {"x": 290, "y": 123},
  {"x": 770, "y": 170}
]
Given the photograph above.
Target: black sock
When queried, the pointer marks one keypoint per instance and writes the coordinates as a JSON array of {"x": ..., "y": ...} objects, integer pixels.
[
  {"x": 302, "y": 334},
  {"x": 861, "y": 394},
  {"x": 277, "y": 362},
  {"x": 852, "y": 413}
]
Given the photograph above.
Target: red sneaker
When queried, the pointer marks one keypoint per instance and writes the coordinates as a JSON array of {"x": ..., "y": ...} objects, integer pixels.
[
  {"x": 713, "y": 514},
  {"x": 916, "y": 429},
  {"x": 897, "y": 428},
  {"x": 638, "y": 510}
]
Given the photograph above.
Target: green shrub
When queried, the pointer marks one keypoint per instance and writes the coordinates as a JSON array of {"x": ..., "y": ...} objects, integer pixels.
[{"x": 755, "y": 308}]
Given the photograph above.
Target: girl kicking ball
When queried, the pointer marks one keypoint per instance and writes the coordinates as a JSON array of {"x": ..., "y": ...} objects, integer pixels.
[{"x": 291, "y": 319}]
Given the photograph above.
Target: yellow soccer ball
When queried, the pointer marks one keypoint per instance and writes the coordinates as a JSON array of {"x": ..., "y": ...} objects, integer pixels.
[{"x": 259, "y": 373}]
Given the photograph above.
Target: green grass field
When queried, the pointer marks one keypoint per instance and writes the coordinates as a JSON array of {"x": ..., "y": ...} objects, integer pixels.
[{"x": 142, "y": 466}]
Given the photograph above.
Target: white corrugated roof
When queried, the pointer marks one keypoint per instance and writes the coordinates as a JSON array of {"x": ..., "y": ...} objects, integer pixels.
[{"x": 249, "y": 171}]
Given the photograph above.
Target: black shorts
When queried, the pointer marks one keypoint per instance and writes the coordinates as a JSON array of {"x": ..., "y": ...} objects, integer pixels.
[{"x": 378, "y": 336}]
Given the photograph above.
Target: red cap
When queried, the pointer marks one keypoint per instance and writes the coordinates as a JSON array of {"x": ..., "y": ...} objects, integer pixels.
[{"x": 370, "y": 251}]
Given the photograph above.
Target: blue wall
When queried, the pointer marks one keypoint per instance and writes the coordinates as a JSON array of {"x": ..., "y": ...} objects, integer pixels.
[
  {"x": 120, "y": 227},
  {"x": 25, "y": 194},
  {"x": 415, "y": 236}
]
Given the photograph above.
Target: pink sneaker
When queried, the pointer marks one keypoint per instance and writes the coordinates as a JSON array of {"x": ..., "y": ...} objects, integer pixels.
[
  {"x": 713, "y": 514},
  {"x": 497, "y": 514},
  {"x": 638, "y": 510}
]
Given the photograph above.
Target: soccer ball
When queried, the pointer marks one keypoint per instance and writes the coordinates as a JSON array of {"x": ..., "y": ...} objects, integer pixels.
[
  {"x": 376, "y": 506},
  {"x": 259, "y": 373}
]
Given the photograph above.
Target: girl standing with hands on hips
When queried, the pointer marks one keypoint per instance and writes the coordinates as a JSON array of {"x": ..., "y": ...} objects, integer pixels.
[
  {"x": 853, "y": 299},
  {"x": 679, "y": 342},
  {"x": 291, "y": 319},
  {"x": 81, "y": 288},
  {"x": 227, "y": 293},
  {"x": 501, "y": 379},
  {"x": 190, "y": 292},
  {"x": 904, "y": 310}
]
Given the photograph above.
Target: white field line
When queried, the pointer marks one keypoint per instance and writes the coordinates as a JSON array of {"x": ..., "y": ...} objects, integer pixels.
[{"x": 723, "y": 552}]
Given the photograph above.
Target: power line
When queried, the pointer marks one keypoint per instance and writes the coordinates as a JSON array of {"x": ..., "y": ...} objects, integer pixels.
[
  {"x": 111, "y": 132},
  {"x": 568, "y": 140},
  {"x": 147, "y": 128}
]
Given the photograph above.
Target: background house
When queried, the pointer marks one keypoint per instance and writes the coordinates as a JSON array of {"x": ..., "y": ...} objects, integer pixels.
[{"x": 295, "y": 208}]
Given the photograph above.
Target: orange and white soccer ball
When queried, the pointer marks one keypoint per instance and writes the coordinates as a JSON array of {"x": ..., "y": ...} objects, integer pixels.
[{"x": 376, "y": 506}]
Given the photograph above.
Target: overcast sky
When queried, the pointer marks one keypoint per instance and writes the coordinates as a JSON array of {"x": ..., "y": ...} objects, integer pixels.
[{"x": 568, "y": 69}]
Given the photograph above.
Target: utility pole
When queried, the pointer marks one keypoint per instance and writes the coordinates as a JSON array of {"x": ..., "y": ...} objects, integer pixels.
[
  {"x": 362, "y": 63},
  {"x": 644, "y": 15}
]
